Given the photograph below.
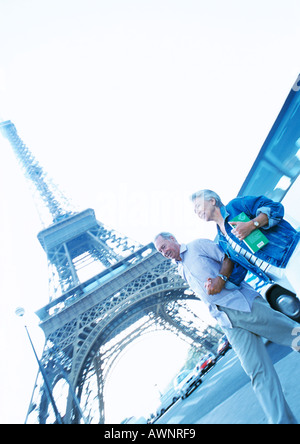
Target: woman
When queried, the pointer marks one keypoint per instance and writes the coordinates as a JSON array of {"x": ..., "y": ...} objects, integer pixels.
[{"x": 279, "y": 259}]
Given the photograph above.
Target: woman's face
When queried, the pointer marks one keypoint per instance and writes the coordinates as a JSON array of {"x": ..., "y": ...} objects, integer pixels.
[{"x": 205, "y": 209}]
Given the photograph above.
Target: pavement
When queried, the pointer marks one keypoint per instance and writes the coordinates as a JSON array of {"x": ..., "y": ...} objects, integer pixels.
[{"x": 243, "y": 408}]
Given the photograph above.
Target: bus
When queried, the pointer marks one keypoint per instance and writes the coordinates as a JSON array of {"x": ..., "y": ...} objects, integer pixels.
[{"x": 275, "y": 174}]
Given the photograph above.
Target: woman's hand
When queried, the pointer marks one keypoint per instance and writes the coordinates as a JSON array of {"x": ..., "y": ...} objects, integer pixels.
[{"x": 242, "y": 229}]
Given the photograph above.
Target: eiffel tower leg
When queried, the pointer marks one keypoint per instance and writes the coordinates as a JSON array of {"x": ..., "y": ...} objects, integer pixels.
[
  {"x": 100, "y": 386},
  {"x": 73, "y": 405}
]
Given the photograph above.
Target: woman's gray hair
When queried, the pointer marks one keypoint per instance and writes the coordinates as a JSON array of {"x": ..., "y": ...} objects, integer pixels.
[{"x": 207, "y": 195}]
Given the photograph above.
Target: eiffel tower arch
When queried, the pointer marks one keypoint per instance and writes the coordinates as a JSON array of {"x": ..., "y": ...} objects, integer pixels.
[
  {"x": 105, "y": 290},
  {"x": 93, "y": 318}
]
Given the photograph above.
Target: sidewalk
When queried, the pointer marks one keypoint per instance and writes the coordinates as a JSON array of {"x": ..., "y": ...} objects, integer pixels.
[{"x": 243, "y": 408}]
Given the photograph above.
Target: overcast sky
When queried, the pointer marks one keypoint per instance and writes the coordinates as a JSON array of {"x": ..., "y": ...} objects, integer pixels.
[{"x": 130, "y": 106}]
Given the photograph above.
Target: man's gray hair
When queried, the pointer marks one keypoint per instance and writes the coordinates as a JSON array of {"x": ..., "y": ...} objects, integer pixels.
[
  {"x": 207, "y": 195},
  {"x": 164, "y": 234}
]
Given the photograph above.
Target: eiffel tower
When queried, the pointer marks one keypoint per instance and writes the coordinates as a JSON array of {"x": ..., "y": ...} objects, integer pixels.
[{"x": 105, "y": 291}]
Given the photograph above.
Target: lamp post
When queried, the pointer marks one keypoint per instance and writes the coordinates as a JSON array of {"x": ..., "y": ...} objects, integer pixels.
[{"x": 20, "y": 312}]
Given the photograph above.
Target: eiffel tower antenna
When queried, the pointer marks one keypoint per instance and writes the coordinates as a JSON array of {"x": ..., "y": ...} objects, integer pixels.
[{"x": 51, "y": 203}]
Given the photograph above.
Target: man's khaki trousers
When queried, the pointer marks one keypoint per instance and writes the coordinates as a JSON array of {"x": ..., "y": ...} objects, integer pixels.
[{"x": 245, "y": 338}]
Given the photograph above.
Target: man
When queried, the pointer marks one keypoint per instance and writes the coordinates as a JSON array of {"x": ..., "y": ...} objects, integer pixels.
[
  {"x": 279, "y": 259},
  {"x": 241, "y": 312}
]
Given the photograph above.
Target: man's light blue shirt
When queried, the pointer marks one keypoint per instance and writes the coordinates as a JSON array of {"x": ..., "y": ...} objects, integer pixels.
[{"x": 202, "y": 259}]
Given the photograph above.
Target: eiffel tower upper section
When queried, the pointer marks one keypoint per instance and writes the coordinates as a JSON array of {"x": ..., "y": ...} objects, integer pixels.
[
  {"x": 52, "y": 204},
  {"x": 77, "y": 245}
]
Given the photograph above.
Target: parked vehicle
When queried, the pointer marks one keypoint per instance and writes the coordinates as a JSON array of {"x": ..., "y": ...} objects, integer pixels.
[
  {"x": 205, "y": 364},
  {"x": 275, "y": 174},
  {"x": 166, "y": 400},
  {"x": 223, "y": 346},
  {"x": 278, "y": 297},
  {"x": 283, "y": 300},
  {"x": 186, "y": 382}
]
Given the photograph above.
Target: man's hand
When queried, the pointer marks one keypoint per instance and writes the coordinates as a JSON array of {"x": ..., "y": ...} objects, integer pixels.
[{"x": 214, "y": 285}]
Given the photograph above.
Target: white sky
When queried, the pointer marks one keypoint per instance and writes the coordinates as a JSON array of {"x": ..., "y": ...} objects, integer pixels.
[{"x": 130, "y": 106}]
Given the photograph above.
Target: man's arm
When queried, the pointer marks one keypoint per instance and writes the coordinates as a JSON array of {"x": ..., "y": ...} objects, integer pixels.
[{"x": 216, "y": 285}]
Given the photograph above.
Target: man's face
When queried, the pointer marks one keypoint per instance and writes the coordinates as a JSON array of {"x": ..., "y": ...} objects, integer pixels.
[
  {"x": 169, "y": 248},
  {"x": 205, "y": 209}
]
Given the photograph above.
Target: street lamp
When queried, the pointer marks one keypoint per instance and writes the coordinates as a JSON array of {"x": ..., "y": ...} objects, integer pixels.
[{"x": 20, "y": 312}]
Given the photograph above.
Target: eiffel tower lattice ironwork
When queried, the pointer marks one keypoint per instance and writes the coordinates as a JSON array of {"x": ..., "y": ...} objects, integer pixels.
[{"x": 105, "y": 290}]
